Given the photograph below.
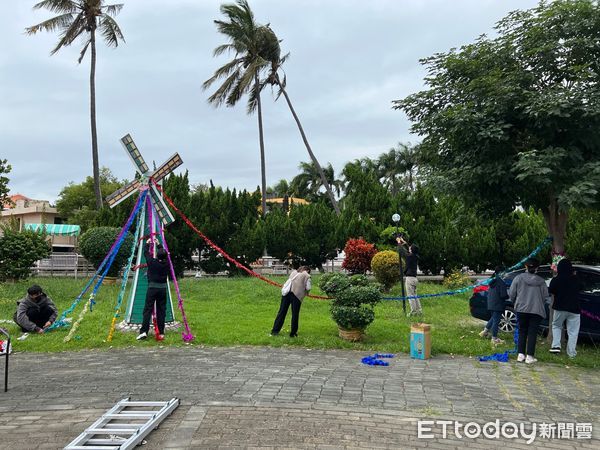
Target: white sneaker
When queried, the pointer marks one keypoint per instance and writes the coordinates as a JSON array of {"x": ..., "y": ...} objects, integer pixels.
[
  {"x": 520, "y": 357},
  {"x": 141, "y": 336},
  {"x": 530, "y": 360},
  {"x": 485, "y": 333}
]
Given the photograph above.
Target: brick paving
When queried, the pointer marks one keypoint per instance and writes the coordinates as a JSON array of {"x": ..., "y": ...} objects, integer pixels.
[{"x": 256, "y": 397}]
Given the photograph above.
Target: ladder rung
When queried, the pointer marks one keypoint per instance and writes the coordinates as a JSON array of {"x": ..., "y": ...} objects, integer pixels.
[
  {"x": 128, "y": 403},
  {"x": 95, "y": 447},
  {"x": 126, "y": 426},
  {"x": 107, "y": 441},
  {"x": 111, "y": 430},
  {"x": 136, "y": 415},
  {"x": 92, "y": 447}
]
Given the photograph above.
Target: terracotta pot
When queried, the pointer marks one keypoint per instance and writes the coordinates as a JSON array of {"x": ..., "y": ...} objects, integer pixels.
[
  {"x": 109, "y": 281},
  {"x": 352, "y": 335}
]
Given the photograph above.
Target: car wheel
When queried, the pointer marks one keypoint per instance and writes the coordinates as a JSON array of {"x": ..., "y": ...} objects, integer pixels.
[{"x": 508, "y": 321}]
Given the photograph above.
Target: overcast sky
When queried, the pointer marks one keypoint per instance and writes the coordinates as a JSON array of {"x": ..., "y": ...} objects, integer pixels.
[{"x": 349, "y": 60}]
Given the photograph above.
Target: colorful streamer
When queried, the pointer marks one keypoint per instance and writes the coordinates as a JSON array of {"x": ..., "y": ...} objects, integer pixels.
[
  {"x": 485, "y": 282},
  {"x": 124, "y": 280},
  {"x": 60, "y": 322}
]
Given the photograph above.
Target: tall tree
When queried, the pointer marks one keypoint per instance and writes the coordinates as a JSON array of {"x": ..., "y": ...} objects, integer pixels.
[
  {"x": 275, "y": 80},
  {"x": 252, "y": 49},
  {"x": 398, "y": 167},
  {"x": 82, "y": 18},
  {"x": 515, "y": 120},
  {"x": 308, "y": 182}
]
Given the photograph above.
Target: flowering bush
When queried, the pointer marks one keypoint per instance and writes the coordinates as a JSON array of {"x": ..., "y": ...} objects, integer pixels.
[
  {"x": 358, "y": 255},
  {"x": 456, "y": 280}
]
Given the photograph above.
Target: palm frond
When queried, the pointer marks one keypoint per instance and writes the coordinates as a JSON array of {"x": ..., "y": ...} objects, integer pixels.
[
  {"x": 57, "y": 6},
  {"x": 222, "y": 72},
  {"x": 221, "y": 94},
  {"x": 222, "y": 49},
  {"x": 70, "y": 34},
  {"x": 110, "y": 31},
  {"x": 244, "y": 83},
  {"x": 112, "y": 10},
  {"x": 254, "y": 96},
  {"x": 83, "y": 50},
  {"x": 53, "y": 24}
]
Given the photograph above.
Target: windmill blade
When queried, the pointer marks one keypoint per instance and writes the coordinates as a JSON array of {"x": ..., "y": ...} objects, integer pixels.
[
  {"x": 134, "y": 154},
  {"x": 172, "y": 163},
  {"x": 161, "y": 208},
  {"x": 126, "y": 191}
]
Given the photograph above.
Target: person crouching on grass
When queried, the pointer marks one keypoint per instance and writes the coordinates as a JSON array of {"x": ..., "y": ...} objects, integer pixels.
[
  {"x": 158, "y": 272},
  {"x": 301, "y": 285},
  {"x": 36, "y": 311}
]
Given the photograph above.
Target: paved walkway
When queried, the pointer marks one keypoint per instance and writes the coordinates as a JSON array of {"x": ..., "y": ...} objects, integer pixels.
[{"x": 295, "y": 398}]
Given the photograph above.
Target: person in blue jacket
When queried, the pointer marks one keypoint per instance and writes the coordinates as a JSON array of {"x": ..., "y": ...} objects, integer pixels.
[{"x": 496, "y": 297}]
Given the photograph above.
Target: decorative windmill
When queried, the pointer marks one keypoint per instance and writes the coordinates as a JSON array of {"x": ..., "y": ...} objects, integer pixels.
[{"x": 137, "y": 296}]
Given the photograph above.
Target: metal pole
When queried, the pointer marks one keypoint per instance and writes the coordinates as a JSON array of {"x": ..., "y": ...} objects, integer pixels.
[
  {"x": 401, "y": 274},
  {"x": 3, "y": 331}
]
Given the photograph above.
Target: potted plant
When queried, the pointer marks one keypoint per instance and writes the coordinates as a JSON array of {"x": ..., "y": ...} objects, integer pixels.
[{"x": 352, "y": 307}]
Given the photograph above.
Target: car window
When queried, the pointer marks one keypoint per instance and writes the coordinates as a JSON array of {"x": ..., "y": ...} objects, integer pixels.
[{"x": 590, "y": 282}]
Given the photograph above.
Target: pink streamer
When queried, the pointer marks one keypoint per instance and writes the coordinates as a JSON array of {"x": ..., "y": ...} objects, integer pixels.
[
  {"x": 590, "y": 315},
  {"x": 187, "y": 335}
]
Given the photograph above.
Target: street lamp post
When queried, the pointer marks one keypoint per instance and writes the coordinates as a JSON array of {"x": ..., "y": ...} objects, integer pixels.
[{"x": 396, "y": 219}]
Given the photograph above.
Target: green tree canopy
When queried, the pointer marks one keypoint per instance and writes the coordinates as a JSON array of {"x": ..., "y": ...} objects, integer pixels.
[{"x": 515, "y": 120}]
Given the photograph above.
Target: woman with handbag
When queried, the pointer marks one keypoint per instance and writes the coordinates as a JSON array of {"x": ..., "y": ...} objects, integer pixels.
[{"x": 293, "y": 292}]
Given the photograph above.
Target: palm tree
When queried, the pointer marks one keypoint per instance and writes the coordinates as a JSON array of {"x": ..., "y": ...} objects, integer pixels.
[
  {"x": 398, "y": 166},
  {"x": 274, "y": 80},
  {"x": 308, "y": 182},
  {"x": 81, "y": 18},
  {"x": 253, "y": 50}
]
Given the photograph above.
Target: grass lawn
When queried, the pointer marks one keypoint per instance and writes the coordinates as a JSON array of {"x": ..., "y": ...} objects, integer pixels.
[{"x": 240, "y": 311}]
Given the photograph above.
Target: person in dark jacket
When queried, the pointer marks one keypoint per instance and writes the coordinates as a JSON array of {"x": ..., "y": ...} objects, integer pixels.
[
  {"x": 36, "y": 311},
  {"x": 565, "y": 289},
  {"x": 497, "y": 294},
  {"x": 528, "y": 293},
  {"x": 158, "y": 272},
  {"x": 411, "y": 255}
]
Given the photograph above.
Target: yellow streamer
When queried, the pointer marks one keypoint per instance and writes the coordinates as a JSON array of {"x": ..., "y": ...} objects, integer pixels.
[
  {"x": 112, "y": 327},
  {"x": 79, "y": 319}
]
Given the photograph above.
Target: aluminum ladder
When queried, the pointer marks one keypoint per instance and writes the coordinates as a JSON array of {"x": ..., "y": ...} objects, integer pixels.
[{"x": 122, "y": 428}]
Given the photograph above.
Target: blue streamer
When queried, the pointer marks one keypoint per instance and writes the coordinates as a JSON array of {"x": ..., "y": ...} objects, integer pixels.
[
  {"x": 374, "y": 360},
  {"x": 479, "y": 283},
  {"x": 503, "y": 357}
]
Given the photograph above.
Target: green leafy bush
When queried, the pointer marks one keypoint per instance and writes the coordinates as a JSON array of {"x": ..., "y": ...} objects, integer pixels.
[
  {"x": 95, "y": 243},
  {"x": 386, "y": 268},
  {"x": 354, "y": 298},
  {"x": 350, "y": 317},
  {"x": 19, "y": 250}
]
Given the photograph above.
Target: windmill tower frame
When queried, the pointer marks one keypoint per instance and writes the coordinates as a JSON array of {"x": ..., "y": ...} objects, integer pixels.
[{"x": 154, "y": 207}]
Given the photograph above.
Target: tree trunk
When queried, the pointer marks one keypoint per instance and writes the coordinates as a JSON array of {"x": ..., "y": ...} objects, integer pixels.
[
  {"x": 96, "y": 167},
  {"x": 556, "y": 223},
  {"x": 263, "y": 175},
  {"x": 311, "y": 154}
]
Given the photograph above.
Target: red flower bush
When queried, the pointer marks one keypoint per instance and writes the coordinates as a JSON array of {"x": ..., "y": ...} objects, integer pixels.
[{"x": 358, "y": 255}]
